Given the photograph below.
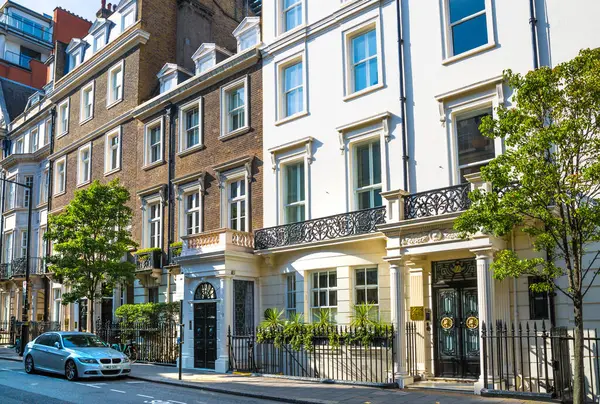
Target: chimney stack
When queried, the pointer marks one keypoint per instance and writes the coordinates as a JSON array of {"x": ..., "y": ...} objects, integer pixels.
[{"x": 105, "y": 10}]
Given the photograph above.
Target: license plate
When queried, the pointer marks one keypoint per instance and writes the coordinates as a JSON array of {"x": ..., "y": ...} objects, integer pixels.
[{"x": 110, "y": 367}]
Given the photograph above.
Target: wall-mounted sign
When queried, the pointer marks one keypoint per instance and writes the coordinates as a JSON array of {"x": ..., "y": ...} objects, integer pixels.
[{"x": 417, "y": 313}]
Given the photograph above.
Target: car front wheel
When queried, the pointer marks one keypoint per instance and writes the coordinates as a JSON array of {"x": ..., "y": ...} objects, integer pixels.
[
  {"x": 29, "y": 367},
  {"x": 71, "y": 371}
]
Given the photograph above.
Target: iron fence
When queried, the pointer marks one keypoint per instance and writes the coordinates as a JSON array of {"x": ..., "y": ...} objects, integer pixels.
[
  {"x": 530, "y": 358},
  {"x": 412, "y": 335},
  {"x": 10, "y": 330},
  {"x": 333, "y": 353},
  {"x": 155, "y": 342}
]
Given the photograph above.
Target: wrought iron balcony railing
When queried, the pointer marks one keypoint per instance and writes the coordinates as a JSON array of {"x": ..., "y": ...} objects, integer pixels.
[
  {"x": 149, "y": 260},
  {"x": 325, "y": 228},
  {"x": 5, "y": 271},
  {"x": 437, "y": 202},
  {"x": 19, "y": 267}
]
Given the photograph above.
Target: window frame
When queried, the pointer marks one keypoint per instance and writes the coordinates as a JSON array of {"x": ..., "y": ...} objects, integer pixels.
[
  {"x": 366, "y": 286},
  {"x": 290, "y": 295},
  {"x": 44, "y": 182},
  {"x": 61, "y": 161},
  {"x": 449, "y": 55},
  {"x": 80, "y": 172},
  {"x": 356, "y": 191},
  {"x": 225, "y": 92},
  {"x": 183, "y": 146},
  {"x": 63, "y": 131},
  {"x": 281, "y": 67},
  {"x": 100, "y": 34},
  {"x": 8, "y": 247},
  {"x": 110, "y": 100},
  {"x": 23, "y": 243},
  {"x": 149, "y": 221},
  {"x": 34, "y": 139},
  {"x": 184, "y": 191},
  {"x": 535, "y": 295},
  {"x": 57, "y": 303},
  {"x": 130, "y": 10},
  {"x": 284, "y": 187},
  {"x": 115, "y": 133},
  {"x": 282, "y": 11},
  {"x": 226, "y": 178},
  {"x": 28, "y": 192},
  {"x": 327, "y": 290},
  {"x": 238, "y": 201},
  {"x": 85, "y": 89},
  {"x": 349, "y": 36},
  {"x": 19, "y": 145},
  {"x": 148, "y": 147}
]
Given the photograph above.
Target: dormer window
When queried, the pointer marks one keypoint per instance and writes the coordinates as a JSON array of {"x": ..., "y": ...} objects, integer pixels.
[
  {"x": 99, "y": 32},
  {"x": 168, "y": 82},
  {"x": 75, "y": 52},
  {"x": 74, "y": 60},
  {"x": 127, "y": 9},
  {"x": 247, "y": 33},
  {"x": 99, "y": 41},
  {"x": 170, "y": 76},
  {"x": 208, "y": 56}
]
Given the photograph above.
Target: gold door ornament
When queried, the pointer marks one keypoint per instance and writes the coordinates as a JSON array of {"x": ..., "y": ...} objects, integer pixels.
[
  {"x": 417, "y": 313},
  {"x": 472, "y": 322},
  {"x": 447, "y": 323}
]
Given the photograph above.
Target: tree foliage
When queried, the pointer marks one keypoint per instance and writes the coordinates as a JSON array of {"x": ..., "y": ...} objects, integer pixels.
[
  {"x": 547, "y": 181},
  {"x": 90, "y": 239}
]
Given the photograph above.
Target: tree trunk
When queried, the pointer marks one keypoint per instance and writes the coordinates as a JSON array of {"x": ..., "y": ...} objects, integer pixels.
[
  {"x": 91, "y": 301},
  {"x": 578, "y": 370}
]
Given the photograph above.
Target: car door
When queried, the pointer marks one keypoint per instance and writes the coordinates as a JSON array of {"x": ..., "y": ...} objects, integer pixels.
[
  {"x": 55, "y": 356},
  {"x": 38, "y": 351}
]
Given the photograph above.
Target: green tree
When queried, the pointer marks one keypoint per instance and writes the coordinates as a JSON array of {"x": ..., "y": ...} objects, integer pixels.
[
  {"x": 547, "y": 183},
  {"x": 90, "y": 239}
]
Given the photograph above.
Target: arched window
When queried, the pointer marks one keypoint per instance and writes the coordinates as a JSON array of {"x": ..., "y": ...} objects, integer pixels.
[{"x": 205, "y": 291}]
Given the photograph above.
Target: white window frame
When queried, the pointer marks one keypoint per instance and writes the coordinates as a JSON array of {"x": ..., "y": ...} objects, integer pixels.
[
  {"x": 44, "y": 181},
  {"x": 183, "y": 146},
  {"x": 239, "y": 201},
  {"x": 228, "y": 177},
  {"x": 148, "y": 147},
  {"x": 356, "y": 190},
  {"x": 23, "y": 246},
  {"x": 110, "y": 98},
  {"x": 9, "y": 250},
  {"x": 87, "y": 88},
  {"x": 281, "y": 12},
  {"x": 225, "y": 91},
  {"x": 290, "y": 294},
  {"x": 34, "y": 139},
  {"x": 56, "y": 308},
  {"x": 130, "y": 10},
  {"x": 108, "y": 148},
  {"x": 61, "y": 129},
  {"x": 366, "y": 286},
  {"x": 97, "y": 37},
  {"x": 20, "y": 145},
  {"x": 75, "y": 58},
  {"x": 332, "y": 308},
  {"x": 449, "y": 55},
  {"x": 186, "y": 210},
  {"x": 349, "y": 35},
  {"x": 284, "y": 183},
  {"x": 148, "y": 221},
  {"x": 281, "y": 93},
  {"x": 210, "y": 60},
  {"x": 81, "y": 170},
  {"x": 11, "y": 192},
  {"x": 27, "y": 192},
  {"x": 47, "y": 132},
  {"x": 61, "y": 161}
]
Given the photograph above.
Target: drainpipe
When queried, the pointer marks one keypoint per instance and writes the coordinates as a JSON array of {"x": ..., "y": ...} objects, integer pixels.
[
  {"x": 49, "y": 208},
  {"x": 534, "y": 40},
  {"x": 2, "y": 214},
  {"x": 403, "y": 127},
  {"x": 170, "y": 191}
]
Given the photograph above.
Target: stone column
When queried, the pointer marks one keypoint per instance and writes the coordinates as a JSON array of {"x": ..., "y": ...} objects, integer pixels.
[
  {"x": 485, "y": 301},
  {"x": 225, "y": 320},
  {"x": 416, "y": 298},
  {"x": 398, "y": 306},
  {"x": 34, "y": 301}
]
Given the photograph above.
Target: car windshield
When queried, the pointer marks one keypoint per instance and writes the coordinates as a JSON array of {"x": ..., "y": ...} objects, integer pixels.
[{"x": 83, "y": 341}]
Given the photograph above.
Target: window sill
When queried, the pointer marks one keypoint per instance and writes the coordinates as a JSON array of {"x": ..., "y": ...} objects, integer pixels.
[
  {"x": 86, "y": 120},
  {"x": 62, "y": 134},
  {"x": 362, "y": 92},
  {"x": 191, "y": 150},
  {"x": 59, "y": 193},
  {"x": 470, "y": 53},
  {"x": 111, "y": 172},
  {"x": 112, "y": 104},
  {"x": 237, "y": 132},
  {"x": 285, "y": 34},
  {"x": 153, "y": 165},
  {"x": 83, "y": 184},
  {"x": 42, "y": 205},
  {"x": 291, "y": 118}
]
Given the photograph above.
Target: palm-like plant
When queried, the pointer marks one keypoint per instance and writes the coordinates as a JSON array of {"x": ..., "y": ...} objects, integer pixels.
[
  {"x": 363, "y": 316},
  {"x": 323, "y": 318},
  {"x": 273, "y": 319}
]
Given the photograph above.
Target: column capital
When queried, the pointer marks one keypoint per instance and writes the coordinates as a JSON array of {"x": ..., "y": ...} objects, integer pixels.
[{"x": 484, "y": 252}]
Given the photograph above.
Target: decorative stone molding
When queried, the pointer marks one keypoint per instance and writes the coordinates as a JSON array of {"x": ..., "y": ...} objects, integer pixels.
[{"x": 432, "y": 236}]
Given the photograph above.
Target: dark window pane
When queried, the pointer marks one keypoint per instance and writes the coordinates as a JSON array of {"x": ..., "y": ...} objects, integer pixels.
[
  {"x": 315, "y": 302},
  {"x": 332, "y": 280},
  {"x": 472, "y": 145},
  {"x": 364, "y": 200},
  {"x": 323, "y": 298},
  {"x": 538, "y": 302},
  {"x": 316, "y": 280},
  {"x": 376, "y": 163},
  {"x": 372, "y": 296},
  {"x": 377, "y": 198},
  {"x": 469, "y": 34},
  {"x": 360, "y": 296},
  {"x": 323, "y": 280},
  {"x": 360, "y": 277},
  {"x": 372, "y": 277},
  {"x": 362, "y": 164},
  {"x": 333, "y": 298},
  {"x": 460, "y": 9}
]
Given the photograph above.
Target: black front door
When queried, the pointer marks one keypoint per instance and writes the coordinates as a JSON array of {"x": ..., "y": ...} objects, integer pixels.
[
  {"x": 106, "y": 314},
  {"x": 83, "y": 314},
  {"x": 205, "y": 335},
  {"x": 456, "y": 320}
]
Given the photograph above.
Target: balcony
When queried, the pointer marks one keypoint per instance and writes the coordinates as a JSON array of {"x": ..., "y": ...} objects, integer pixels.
[
  {"x": 148, "y": 260},
  {"x": 17, "y": 268},
  {"x": 437, "y": 202},
  {"x": 18, "y": 59},
  {"x": 217, "y": 241},
  {"x": 325, "y": 228},
  {"x": 27, "y": 28}
]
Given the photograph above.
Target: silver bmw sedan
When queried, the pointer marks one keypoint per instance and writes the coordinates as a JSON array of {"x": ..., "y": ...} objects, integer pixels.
[{"x": 74, "y": 354}]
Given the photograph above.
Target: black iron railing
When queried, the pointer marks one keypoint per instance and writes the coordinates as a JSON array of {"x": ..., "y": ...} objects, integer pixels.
[
  {"x": 155, "y": 342},
  {"x": 325, "y": 228},
  {"x": 437, "y": 202},
  {"x": 334, "y": 353},
  {"x": 36, "y": 328},
  {"x": 19, "y": 266},
  {"x": 149, "y": 260},
  {"x": 174, "y": 252},
  {"x": 530, "y": 358},
  {"x": 412, "y": 335}
]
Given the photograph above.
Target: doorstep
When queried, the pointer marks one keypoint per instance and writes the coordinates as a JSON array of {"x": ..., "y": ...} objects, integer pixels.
[{"x": 445, "y": 384}]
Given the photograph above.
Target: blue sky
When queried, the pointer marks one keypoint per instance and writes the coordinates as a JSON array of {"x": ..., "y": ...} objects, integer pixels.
[{"x": 85, "y": 8}]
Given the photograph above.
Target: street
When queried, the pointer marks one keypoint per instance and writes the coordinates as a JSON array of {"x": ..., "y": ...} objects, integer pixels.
[{"x": 18, "y": 387}]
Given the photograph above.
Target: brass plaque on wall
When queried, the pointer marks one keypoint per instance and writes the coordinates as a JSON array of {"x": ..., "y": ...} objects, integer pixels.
[{"x": 417, "y": 313}]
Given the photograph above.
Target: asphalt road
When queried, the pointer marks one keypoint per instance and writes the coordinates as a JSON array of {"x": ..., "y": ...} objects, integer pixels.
[{"x": 18, "y": 387}]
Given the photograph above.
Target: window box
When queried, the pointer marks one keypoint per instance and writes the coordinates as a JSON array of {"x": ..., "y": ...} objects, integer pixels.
[{"x": 148, "y": 259}]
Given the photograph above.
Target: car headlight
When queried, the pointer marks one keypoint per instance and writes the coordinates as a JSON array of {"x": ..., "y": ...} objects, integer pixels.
[
  {"x": 88, "y": 360},
  {"x": 125, "y": 359}
]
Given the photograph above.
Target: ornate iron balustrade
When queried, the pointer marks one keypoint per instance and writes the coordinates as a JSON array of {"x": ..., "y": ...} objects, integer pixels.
[
  {"x": 149, "y": 260},
  {"x": 5, "y": 271},
  {"x": 19, "y": 267},
  {"x": 437, "y": 202},
  {"x": 325, "y": 228},
  {"x": 174, "y": 252}
]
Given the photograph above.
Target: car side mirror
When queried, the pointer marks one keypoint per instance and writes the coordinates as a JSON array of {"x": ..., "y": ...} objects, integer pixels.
[{"x": 57, "y": 345}]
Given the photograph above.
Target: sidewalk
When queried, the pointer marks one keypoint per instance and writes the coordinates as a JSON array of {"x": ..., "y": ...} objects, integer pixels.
[
  {"x": 294, "y": 391},
  {"x": 9, "y": 354}
]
